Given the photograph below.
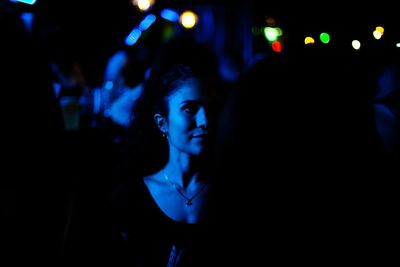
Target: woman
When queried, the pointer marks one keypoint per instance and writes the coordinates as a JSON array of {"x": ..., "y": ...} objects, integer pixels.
[{"x": 159, "y": 217}]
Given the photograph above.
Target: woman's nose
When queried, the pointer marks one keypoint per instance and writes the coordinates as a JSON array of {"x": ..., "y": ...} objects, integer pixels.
[{"x": 201, "y": 118}]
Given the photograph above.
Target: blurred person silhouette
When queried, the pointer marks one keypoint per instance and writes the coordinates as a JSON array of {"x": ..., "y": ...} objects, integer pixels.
[
  {"x": 258, "y": 140},
  {"x": 118, "y": 103},
  {"x": 386, "y": 103},
  {"x": 372, "y": 75},
  {"x": 71, "y": 88},
  {"x": 387, "y": 108},
  {"x": 31, "y": 127},
  {"x": 159, "y": 213},
  {"x": 125, "y": 74},
  {"x": 273, "y": 133},
  {"x": 312, "y": 143},
  {"x": 376, "y": 74}
]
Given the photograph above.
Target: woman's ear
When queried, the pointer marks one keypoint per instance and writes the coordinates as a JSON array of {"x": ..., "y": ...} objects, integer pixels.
[{"x": 161, "y": 122}]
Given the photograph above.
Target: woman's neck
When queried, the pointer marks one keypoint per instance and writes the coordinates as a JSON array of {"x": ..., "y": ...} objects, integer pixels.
[
  {"x": 182, "y": 172},
  {"x": 183, "y": 169}
]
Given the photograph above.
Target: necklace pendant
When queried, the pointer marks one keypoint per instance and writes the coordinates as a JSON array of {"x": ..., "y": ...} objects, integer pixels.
[{"x": 189, "y": 202}]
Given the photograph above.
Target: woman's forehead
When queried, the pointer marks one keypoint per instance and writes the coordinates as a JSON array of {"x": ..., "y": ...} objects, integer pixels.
[{"x": 190, "y": 89}]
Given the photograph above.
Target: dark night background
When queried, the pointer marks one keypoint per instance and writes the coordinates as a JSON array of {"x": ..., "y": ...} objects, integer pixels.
[{"x": 55, "y": 180}]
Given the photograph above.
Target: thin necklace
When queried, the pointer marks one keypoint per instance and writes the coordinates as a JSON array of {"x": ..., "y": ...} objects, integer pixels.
[{"x": 188, "y": 200}]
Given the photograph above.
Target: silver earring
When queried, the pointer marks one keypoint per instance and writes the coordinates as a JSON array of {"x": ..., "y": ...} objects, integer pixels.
[{"x": 164, "y": 134}]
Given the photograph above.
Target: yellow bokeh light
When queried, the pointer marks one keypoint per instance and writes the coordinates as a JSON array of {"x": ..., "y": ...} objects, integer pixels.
[
  {"x": 380, "y": 29},
  {"x": 143, "y": 5},
  {"x": 188, "y": 19},
  {"x": 309, "y": 40}
]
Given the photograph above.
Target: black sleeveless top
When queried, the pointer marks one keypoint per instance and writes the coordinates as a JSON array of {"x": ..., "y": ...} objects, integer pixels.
[{"x": 143, "y": 235}]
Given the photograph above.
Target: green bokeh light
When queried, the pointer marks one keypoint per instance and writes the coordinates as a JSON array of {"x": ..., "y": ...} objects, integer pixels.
[{"x": 324, "y": 37}]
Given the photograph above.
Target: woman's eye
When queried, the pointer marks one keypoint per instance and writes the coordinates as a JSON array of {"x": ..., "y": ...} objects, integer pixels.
[{"x": 191, "y": 109}]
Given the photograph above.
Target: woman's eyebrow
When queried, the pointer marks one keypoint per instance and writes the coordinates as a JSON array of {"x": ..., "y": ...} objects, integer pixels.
[{"x": 190, "y": 101}]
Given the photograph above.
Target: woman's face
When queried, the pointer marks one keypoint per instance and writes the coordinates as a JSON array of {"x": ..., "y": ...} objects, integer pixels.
[{"x": 189, "y": 119}]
